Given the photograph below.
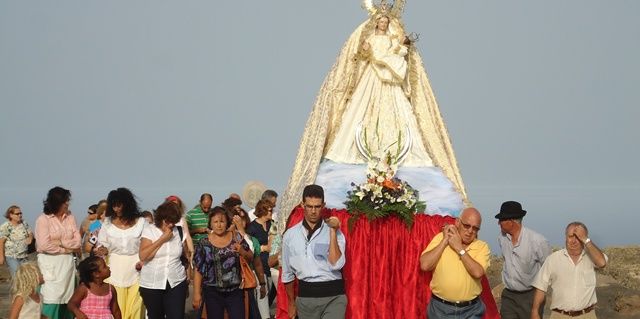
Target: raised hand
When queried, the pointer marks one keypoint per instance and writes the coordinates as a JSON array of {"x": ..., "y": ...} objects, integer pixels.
[
  {"x": 333, "y": 222},
  {"x": 455, "y": 241}
]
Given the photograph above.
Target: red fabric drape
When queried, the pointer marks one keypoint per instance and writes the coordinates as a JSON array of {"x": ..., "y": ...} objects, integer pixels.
[{"x": 382, "y": 271}]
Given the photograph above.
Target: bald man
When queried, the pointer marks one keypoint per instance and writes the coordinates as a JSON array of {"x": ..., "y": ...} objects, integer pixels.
[{"x": 458, "y": 261}]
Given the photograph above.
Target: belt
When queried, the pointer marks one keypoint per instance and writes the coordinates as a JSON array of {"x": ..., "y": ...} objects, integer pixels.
[
  {"x": 575, "y": 313},
  {"x": 456, "y": 303},
  {"x": 519, "y": 291}
]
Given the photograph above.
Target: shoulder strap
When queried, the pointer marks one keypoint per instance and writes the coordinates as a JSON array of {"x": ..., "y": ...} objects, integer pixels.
[{"x": 180, "y": 232}]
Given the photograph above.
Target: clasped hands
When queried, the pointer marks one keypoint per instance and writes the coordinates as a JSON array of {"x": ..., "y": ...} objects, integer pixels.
[{"x": 451, "y": 237}]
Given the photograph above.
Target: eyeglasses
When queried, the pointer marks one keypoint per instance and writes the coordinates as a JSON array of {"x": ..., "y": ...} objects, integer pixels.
[
  {"x": 467, "y": 226},
  {"x": 91, "y": 212},
  {"x": 314, "y": 207},
  {"x": 20, "y": 213}
]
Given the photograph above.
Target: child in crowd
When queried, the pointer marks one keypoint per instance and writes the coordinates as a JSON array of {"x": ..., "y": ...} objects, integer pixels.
[
  {"x": 26, "y": 299},
  {"x": 94, "y": 298},
  {"x": 148, "y": 216}
]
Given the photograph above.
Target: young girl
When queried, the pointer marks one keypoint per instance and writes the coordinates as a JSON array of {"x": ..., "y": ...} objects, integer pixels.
[
  {"x": 94, "y": 298},
  {"x": 26, "y": 300}
]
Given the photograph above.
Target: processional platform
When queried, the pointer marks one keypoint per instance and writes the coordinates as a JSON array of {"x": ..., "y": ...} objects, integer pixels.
[{"x": 382, "y": 272}]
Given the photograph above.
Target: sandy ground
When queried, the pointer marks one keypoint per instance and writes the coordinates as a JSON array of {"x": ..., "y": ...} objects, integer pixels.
[{"x": 618, "y": 285}]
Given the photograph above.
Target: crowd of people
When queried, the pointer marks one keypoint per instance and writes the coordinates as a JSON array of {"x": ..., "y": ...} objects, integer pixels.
[
  {"x": 124, "y": 263},
  {"x": 121, "y": 262}
]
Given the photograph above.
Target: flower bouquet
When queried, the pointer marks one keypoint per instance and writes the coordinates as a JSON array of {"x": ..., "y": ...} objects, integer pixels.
[{"x": 383, "y": 194}]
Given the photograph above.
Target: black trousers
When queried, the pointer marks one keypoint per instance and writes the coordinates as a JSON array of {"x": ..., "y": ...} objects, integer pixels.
[
  {"x": 165, "y": 303},
  {"x": 217, "y": 301}
]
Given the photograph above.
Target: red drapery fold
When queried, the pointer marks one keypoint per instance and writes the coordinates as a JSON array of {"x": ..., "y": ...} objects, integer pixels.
[{"x": 382, "y": 271}]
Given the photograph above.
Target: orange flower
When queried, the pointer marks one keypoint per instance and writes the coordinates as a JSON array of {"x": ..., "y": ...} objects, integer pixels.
[{"x": 390, "y": 184}]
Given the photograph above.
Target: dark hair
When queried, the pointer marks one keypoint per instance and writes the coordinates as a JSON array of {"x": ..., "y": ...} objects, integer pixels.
[
  {"x": 269, "y": 193},
  {"x": 123, "y": 196},
  {"x": 147, "y": 213},
  {"x": 230, "y": 202},
  {"x": 87, "y": 268},
  {"x": 313, "y": 191},
  {"x": 56, "y": 197},
  {"x": 219, "y": 210},
  {"x": 93, "y": 208},
  {"x": 262, "y": 208},
  {"x": 205, "y": 195},
  {"x": 168, "y": 211}
]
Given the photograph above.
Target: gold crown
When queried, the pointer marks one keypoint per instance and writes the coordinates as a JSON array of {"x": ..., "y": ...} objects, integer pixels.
[{"x": 383, "y": 7}]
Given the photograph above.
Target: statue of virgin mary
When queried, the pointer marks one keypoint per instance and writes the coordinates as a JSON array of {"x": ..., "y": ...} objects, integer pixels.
[{"x": 377, "y": 94}]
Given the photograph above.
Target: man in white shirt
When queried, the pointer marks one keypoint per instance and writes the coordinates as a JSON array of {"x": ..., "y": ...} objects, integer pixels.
[{"x": 570, "y": 272}]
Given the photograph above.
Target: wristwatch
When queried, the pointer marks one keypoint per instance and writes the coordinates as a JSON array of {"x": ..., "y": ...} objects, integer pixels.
[
  {"x": 586, "y": 241},
  {"x": 462, "y": 252}
]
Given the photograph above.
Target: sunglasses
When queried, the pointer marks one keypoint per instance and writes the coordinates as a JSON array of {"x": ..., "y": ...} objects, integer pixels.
[
  {"x": 16, "y": 213},
  {"x": 467, "y": 227}
]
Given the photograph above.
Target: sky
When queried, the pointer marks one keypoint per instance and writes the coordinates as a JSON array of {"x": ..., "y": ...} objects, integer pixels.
[{"x": 167, "y": 97}]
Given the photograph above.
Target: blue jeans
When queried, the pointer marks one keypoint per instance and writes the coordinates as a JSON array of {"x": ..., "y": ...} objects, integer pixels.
[
  {"x": 14, "y": 263},
  {"x": 437, "y": 310}
]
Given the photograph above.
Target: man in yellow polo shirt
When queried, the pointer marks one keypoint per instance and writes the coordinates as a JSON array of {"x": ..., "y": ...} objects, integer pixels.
[{"x": 458, "y": 261}]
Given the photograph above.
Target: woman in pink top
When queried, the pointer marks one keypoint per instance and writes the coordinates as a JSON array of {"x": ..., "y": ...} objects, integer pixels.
[
  {"x": 57, "y": 238},
  {"x": 94, "y": 298}
]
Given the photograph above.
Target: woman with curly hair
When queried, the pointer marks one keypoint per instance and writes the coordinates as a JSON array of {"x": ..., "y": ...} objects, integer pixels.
[
  {"x": 57, "y": 239},
  {"x": 163, "y": 279},
  {"x": 119, "y": 240},
  {"x": 26, "y": 302}
]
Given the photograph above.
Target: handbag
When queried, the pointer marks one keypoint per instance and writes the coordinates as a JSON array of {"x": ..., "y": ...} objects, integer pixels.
[{"x": 248, "y": 278}]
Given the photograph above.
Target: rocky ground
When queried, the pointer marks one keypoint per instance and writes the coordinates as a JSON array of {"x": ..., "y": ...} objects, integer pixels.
[{"x": 618, "y": 285}]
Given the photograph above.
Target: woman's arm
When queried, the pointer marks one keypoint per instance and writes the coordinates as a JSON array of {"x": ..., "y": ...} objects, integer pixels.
[
  {"x": 257, "y": 265},
  {"x": 75, "y": 242},
  {"x": 2, "y": 241},
  {"x": 274, "y": 260},
  {"x": 16, "y": 306},
  {"x": 74, "y": 303},
  {"x": 115, "y": 309},
  {"x": 197, "y": 290},
  {"x": 148, "y": 249},
  {"x": 189, "y": 265},
  {"x": 188, "y": 239}
]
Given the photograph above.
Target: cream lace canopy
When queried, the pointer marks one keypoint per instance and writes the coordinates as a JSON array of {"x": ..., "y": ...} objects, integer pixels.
[{"x": 330, "y": 103}]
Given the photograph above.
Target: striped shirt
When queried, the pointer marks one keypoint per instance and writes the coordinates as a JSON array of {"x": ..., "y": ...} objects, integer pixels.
[{"x": 196, "y": 218}]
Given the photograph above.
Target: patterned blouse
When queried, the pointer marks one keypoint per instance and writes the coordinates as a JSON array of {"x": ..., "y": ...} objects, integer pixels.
[
  {"x": 15, "y": 245},
  {"x": 220, "y": 267}
]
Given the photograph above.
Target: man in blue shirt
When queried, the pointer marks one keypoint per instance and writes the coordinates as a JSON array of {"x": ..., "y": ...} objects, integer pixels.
[
  {"x": 524, "y": 252},
  {"x": 313, "y": 252}
]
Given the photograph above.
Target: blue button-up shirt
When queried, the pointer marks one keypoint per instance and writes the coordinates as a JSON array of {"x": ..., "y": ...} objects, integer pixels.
[
  {"x": 308, "y": 259},
  {"x": 522, "y": 260}
]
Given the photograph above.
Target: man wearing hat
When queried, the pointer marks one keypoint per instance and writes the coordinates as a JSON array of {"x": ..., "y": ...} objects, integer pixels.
[{"x": 524, "y": 252}]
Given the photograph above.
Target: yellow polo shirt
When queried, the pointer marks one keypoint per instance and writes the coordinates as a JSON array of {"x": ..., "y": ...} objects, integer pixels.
[{"x": 450, "y": 280}]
